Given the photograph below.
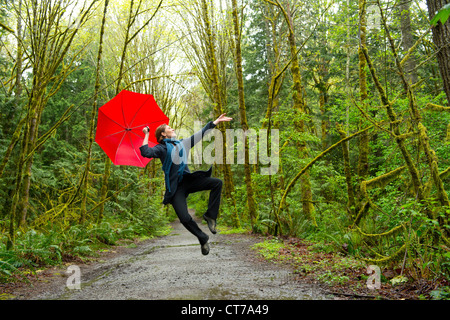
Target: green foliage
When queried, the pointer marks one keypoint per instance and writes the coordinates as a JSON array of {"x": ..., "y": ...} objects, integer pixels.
[
  {"x": 269, "y": 249},
  {"x": 441, "y": 294},
  {"x": 333, "y": 279},
  {"x": 442, "y": 15}
]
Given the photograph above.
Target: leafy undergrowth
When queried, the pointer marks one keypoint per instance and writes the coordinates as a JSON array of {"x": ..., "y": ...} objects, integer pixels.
[{"x": 345, "y": 276}]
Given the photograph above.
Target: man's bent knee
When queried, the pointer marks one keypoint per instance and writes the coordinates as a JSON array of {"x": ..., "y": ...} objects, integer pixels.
[{"x": 219, "y": 183}]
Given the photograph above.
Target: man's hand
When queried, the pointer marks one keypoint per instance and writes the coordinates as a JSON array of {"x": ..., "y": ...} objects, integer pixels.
[
  {"x": 146, "y": 132},
  {"x": 222, "y": 118}
]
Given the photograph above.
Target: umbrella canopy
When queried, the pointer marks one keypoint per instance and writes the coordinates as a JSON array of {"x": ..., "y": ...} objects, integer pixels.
[{"x": 120, "y": 123}]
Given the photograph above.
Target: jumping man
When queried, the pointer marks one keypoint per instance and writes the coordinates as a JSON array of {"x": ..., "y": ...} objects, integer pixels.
[{"x": 180, "y": 182}]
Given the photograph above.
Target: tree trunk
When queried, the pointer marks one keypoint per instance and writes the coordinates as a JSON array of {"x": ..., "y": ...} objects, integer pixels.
[
  {"x": 407, "y": 40},
  {"x": 240, "y": 79},
  {"x": 322, "y": 87},
  {"x": 107, "y": 161},
  {"x": 441, "y": 38},
  {"x": 299, "y": 106},
  {"x": 217, "y": 99},
  {"x": 348, "y": 174},
  {"x": 363, "y": 160},
  {"x": 277, "y": 75},
  {"x": 93, "y": 118}
]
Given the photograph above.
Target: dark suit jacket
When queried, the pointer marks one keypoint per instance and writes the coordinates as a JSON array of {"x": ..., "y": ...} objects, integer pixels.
[{"x": 160, "y": 151}]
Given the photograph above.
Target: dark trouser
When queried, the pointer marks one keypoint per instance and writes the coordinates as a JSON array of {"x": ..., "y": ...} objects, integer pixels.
[{"x": 190, "y": 185}]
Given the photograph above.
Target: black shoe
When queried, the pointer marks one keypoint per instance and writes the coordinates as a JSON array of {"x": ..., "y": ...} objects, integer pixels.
[
  {"x": 204, "y": 245},
  {"x": 205, "y": 248},
  {"x": 211, "y": 224}
]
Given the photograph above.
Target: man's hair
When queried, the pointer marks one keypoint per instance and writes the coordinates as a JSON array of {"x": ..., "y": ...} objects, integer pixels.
[{"x": 159, "y": 131}]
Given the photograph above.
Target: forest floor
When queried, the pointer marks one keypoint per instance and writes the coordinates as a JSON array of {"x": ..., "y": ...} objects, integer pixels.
[{"x": 172, "y": 267}]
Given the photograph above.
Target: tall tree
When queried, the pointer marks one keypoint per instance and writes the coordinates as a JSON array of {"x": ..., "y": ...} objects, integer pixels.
[
  {"x": 363, "y": 161},
  {"x": 441, "y": 39},
  {"x": 299, "y": 105},
  {"x": 242, "y": 111},
  {"x": 407, "y": 39},
  {"x": 217, "y": 97},
  {"x": 93, "y": 117}
]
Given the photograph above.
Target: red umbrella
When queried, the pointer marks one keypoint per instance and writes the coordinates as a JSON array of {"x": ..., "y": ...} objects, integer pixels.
[{"x": 120, "y": 123}]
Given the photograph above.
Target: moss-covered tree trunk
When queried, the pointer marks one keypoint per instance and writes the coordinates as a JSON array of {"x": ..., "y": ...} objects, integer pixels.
[
  {"x": 323, "y": 87},
  {"x": 242, "y": 111},
  {"x": 107, "y": 161},
  {"x": 300, "y": 108},
  {"x": 218, "y": 109},
  {"x": 32, "y": 132},
  {"x": 441, "y": 34},
  {"x": 407, "y": 40},
  {"x": 93, "y": 119},
  {"x": 363, "y": 160},
  {"x": 277, "y": 75},
  {"x": 351, "y": 204},
  {"x": 412, "y": 168}
]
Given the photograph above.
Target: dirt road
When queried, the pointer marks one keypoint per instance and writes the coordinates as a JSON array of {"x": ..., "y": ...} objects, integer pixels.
[{"x": 172, "y": 267}]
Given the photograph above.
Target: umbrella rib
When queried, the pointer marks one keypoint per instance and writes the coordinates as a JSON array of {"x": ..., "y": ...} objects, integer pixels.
[
  {"x": 118, "y": 147},
  {"x": 154, "y": 144},
  {"x": 134, "y": 150},
  {"x": 109, "y": 118},
  {"x": 123, "y": 112},
  {"x": 112, "y": 120},
  {"x": 135, "y": 114},
  {"x": 136, "y": 134},
  {"x": 109, "y": 135}
]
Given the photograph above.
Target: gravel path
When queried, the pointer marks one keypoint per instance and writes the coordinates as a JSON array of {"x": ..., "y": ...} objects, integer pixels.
[{"x": 172, "y": 267}]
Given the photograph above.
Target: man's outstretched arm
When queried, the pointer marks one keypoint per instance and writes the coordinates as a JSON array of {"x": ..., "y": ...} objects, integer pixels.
[
  {"x": 196, "y": 137},
  {"x": 222, "y": 118}
]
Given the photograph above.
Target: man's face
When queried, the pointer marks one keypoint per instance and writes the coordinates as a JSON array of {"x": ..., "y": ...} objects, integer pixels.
[{"x": 169, "y": 133}]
